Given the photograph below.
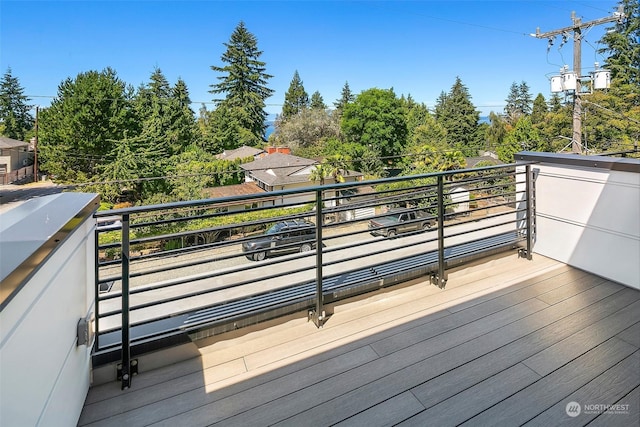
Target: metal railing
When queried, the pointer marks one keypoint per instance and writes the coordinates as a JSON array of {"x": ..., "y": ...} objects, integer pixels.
[{"x": 169, "y": 273}]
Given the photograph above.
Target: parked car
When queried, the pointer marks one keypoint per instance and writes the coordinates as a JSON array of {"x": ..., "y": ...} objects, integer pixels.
[
  {"x": 401, "y": 221},
  {"x": 282, "y": 237},
  {"x": 109, "y": 223}
]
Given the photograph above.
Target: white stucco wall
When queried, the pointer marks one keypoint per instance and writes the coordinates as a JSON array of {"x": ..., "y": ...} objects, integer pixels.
[
  {"x": 588, "y": 216},
  {"x": 44, "y": 375}
]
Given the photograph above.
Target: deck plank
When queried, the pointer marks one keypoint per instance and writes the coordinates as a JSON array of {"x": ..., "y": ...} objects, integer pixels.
[
  {"x": 538, "y": 397},
  {"x": 429, "y": 367},
  {"x": 499, "y": 336},
  {"x": 606, "y": 389},
  {"x": 612, "y": 419},
  {"x": 481, "y": 396},
  {"x": 467, "y": 375}
]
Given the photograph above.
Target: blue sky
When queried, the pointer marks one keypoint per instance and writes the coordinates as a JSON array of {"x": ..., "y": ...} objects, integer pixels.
[{"x": 414, "y": 47}]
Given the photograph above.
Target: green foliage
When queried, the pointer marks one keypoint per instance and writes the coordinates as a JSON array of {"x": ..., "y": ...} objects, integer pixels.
[
  {"x": 539, "y": 110},
  {"x": 346, "y": 97},
  {"x": 15, "y": 119},
  {"x": 377, "y": 119},
  {"x": 317, "y": 103},
  {"x": 194, "y": 170},
  {"x": 307, "y": 129},
  {"x": 455, "y": 112},
  {"x": 622, "y": 47},
  {"x": 518, "y": 102},
  {"x": 82, "y": 126},
  {"x": 417, "y": 114},
  {"x": 244, "y": 84},
  {"x": 522, "y": 137},
  {"x": 296, "y": 98},
  {"x": 497, "y": 130},
  {"x": 362, "y": 158}
]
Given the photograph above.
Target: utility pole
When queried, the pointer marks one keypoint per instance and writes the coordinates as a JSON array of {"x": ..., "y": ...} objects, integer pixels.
[
  {"x": 577, "y": 28},
  {"x": 35, "y": 150}
]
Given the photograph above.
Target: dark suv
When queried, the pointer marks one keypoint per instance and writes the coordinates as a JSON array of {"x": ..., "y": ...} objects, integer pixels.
[{"x": 282, "y": 237}]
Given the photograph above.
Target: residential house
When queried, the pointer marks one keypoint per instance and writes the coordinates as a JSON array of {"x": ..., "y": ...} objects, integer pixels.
[
  {"x": 14, "y": 155},
  {"x": 279, "y": 171},
  {"x": 242, "y": 152}
]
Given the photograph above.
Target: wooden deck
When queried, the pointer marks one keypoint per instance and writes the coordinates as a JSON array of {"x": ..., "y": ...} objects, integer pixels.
[{"x": 508, "y": 342}]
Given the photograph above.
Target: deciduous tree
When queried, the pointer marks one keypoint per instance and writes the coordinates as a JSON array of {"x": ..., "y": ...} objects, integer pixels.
[{"x": 376, "y": 119}]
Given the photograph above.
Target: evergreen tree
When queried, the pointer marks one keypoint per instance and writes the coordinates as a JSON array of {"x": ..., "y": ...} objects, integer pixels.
[
  {"x": 244, "y": 86},
  {"x": 524, "y": 98},
  {"x": 539, "y": 110},
  {"x": 317, "y": 102},
  {"x": 84, "y": 124},
  {"x": 459, "y": 117},
  {"x": 518, "y": 102},
  {"x": 296, "y": 99},
  {"x": 183, "y": 129},
  {"x": 623, "y": 48},
  {"x": 346, "y": 97},
  {"x": 166, "y": 128},
  {"x": 15, "y": 119},
  {"x": 522, "y": 137},
  {"x": 417, "y": 114}
]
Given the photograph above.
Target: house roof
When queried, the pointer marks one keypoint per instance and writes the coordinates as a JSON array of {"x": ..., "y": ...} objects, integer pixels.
[
  {"x": 240, "y": 153},
  {"x": 11, "y": 143},
  {"x": 243, "y": 189},
  {"x": 280, "y": 169},
  {"x": 473, "y": 161}
]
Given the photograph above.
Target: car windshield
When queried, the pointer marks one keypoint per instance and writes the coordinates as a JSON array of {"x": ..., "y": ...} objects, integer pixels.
[
  {"x": 274, "y": 229},
  {"x": 395, "y": 217}
]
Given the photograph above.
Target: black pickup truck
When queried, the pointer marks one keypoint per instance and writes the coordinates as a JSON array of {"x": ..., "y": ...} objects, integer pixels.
[{"x": 400, "y": 222}]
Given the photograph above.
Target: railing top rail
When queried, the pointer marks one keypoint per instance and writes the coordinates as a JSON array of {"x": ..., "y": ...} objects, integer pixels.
[
  {"x": 624, "y": 164},
  {"x": 301, "y": 190}
]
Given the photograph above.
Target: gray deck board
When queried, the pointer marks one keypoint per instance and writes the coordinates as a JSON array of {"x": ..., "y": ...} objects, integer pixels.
[
  {"x": 538, "y": 397},
  {"x": 606, "y": 389},
  {"x": 507, "y": 354},
  {"x": 614, "y": 419}
]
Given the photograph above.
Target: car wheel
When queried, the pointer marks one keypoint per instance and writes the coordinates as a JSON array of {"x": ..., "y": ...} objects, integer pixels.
[
  {"x": 306, "y": 247},
  {"x": 259, "y": 256},
  {"x": 391, "y": 234},
  {"x": 426, "y": 227}
]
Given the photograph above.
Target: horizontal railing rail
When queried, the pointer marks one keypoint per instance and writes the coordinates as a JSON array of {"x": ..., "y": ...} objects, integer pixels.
[{"x": 171, "y": 271}]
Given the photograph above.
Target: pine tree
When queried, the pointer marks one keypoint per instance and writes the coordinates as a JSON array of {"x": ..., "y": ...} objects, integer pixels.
[
  {"x": 345, "y": 98},
  {"x": 623, "y": 47},
  {"x": 15, "y": 119},
  {"x": 296, "y": 99},
  {"x": 244, "y": 86},
  {"x": 317, "y": 102},
  {"x": 518, "y": 102},
  {"x": 459, "y": 117}
]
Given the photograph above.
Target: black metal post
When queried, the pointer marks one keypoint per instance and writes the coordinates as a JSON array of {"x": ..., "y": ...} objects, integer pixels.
[
  {"x": 529, "y": 193},
  {"x": 126, "y": 350},
  {"x": 440, "y": 280},
  {"x": 318, "y": 316},
  {"x": 97, "y": 289}
]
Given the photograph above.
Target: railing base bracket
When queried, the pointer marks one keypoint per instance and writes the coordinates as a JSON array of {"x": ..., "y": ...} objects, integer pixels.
[
  {"x": 318, "y": 320},
  {"x": 126, "y": 377},
  {"x": 523, "y": 253},
  {"x": 436, "y": 281}
]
